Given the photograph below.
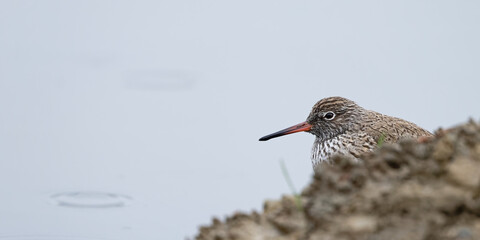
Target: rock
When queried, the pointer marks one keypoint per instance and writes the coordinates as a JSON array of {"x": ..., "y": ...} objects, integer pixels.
[
  {"x": 465, "y": 172},
  {"x": 359, "y": 224}
]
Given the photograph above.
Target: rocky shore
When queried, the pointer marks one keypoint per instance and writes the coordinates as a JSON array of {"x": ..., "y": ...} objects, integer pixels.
[{"x": 409, "y": 190}]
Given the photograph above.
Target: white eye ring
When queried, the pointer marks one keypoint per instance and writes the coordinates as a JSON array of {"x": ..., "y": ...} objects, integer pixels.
[{"x": 329, "y": 115}]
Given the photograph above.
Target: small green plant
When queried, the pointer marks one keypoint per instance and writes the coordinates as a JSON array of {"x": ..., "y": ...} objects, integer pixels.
[
  {"x": 381, "y": 140},
  {"x": 298, "y": 200}
]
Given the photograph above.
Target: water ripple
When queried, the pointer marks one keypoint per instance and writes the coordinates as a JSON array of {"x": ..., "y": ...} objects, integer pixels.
[
  {"x": 165, "y": 80},
  {"x": 90, "y": 200}
]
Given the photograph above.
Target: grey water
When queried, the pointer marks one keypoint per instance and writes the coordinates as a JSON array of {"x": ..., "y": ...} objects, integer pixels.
[{"x": 140, "y": 120}]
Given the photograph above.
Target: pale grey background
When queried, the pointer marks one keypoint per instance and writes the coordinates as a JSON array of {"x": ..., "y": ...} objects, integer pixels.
[{"x": 164, "y": 101}]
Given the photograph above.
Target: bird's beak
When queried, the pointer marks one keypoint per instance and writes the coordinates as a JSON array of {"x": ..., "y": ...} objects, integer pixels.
[{"x": 301, "y": 127}]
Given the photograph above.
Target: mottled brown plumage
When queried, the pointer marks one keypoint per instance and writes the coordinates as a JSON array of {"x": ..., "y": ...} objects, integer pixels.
[{"x": 341, "y": 126}]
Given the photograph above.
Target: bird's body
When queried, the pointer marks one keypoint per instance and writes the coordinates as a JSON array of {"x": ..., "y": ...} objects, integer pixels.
[{"x": 343, "y": 127}]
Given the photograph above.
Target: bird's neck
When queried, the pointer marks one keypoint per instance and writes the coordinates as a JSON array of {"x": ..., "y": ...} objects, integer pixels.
[{"x": 323, "y": 149}]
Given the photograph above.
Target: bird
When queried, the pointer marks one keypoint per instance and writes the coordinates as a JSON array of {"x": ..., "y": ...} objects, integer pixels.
[{"x": 341, "y": 126}]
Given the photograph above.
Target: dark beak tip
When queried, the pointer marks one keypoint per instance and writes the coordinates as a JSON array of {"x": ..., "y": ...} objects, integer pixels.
[{"x": 263, "y": 139}]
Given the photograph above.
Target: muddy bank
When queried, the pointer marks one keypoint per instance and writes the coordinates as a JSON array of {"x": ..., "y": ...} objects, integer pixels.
[{"x": 404, "y": 191}]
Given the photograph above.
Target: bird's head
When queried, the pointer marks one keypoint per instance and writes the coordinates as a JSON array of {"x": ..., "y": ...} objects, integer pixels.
[{"x": 329, "y": 117}]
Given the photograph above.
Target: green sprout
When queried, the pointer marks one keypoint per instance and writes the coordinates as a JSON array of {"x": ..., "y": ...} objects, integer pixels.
[
  {"x": 298, "y": 200},
  {"x": 381, "y": 140}
]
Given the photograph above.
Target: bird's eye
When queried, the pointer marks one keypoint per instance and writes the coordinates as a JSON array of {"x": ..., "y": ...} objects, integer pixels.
[{"x": 329, "y": 115}]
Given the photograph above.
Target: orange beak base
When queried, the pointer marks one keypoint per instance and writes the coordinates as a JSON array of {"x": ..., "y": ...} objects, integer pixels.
[{"x": 301, "y": 127}]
